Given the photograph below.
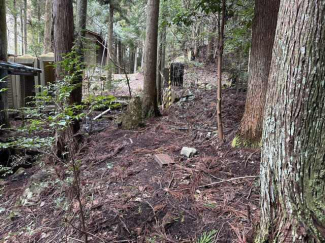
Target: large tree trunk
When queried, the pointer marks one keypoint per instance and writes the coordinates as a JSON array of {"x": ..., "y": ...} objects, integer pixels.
[
  {"x": 81, "y": 19},
  {"x": 109, "y": 63},
  {"x": 3, "y": 57},
  {"x": 263, "y": 32},
  {"x": 48, "y": 27},
  {"x": 293, "y": 154},
  {"x": 63, "y": 32},
  {"x": 149, "y": 100}
]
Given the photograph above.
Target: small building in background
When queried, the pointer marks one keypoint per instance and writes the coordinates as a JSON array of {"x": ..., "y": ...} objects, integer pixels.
[
  {"x": 22, "y": 81},
  {"x": 95, "y": 51},
  {"x": 22, "y": 85},
  {"x": 46, "y": 64}
]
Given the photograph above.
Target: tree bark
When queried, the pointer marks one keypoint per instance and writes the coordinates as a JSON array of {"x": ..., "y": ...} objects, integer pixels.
[
  {"x": 136, "y": 60},
  {"x": 3, "y": 57},
  {"x": 25, "y": 26},
  {"x": 161, "y": 62},
  {"x": 39, "y": 21},
  {"x": 221, "y": 30},
  {"x": 63, "y": 32},
  {"x": 76, "y": 94},
  {"x": 161, "y": 51},
  {"x": 131, "y": 59},
  {"x": 149, "y": 100},
  {"x": 211, "y": 42},
  {"x": 110, "y": 64},
  {"x": 81, "y": 18},
  {"x": 293, "y": 153},
  {"x": 119, "y": 56},
  {"x": 22, "y": 30},
  {"x": 48, "y": 27},
  {"x": 15, "y": 27},
  {"x": 263, "y": 32}
]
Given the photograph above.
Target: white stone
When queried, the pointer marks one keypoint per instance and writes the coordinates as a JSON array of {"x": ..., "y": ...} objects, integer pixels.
[{"x": 188, "y": 152}]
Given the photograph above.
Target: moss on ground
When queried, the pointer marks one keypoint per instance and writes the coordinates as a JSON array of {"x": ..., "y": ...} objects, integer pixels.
[{"x": 240, "y": 142}]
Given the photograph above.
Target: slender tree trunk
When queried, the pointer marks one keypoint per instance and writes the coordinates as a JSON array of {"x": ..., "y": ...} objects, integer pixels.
[
  {"x": 115, "y": 54},
  {"x": 76, "y": 94},
  {"x": 263, "y": 32},
  {"x": 161, "y": 62},
  {"x": 22, "y": 30},
  {"x": 142, "y": 58},
  {"x": 119, "y": 56},
  {"x": 221, "y": 30},
  {"x": 25, "y": 26},
  {"x": 39, "y": 21},
  {"x": 136, "y": 60},
  {"x": 81, "y": 19},
  {"x": 110, "y": 47},
  {"x": 149, "y": 100},
  {"x": 293, "y": 153},
  {"x": 48, "y": 27},
  {"x": 211, "y": 42},
  {"x": 3, "y": 57},
  {"x": 131, "y": 59},
  {"x": 15, "y": 28}
]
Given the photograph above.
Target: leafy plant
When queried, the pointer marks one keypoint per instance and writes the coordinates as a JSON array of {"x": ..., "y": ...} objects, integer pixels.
[{"x": 207, "y": 237}]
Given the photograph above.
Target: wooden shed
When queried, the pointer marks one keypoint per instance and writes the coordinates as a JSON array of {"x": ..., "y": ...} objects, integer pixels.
[
  {"x": 21, "y": 87},
  {"x": 46, "y": 64},
  {"x": 95, "y": 53},
  {"x": 22, "y": 81}
]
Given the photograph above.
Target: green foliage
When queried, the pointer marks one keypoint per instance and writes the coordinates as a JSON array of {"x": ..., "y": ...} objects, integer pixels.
[
  {"x": 209, "y": 6},
  {"x": 207, "y": 237},
  {"x": 5, "y": 171}
]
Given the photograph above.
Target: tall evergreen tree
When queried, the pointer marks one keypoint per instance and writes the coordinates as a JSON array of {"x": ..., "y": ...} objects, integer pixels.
[
  {"x": 63, "y": 31},
  {"x": 81, "y": 33},
  {"x": 48, "y": 26},
  {"x": 293, "y": 153},
  {"x": 263, "y": 32},
  {"x": 3, "y": 57},
  {"x": 149, "y": 100}
]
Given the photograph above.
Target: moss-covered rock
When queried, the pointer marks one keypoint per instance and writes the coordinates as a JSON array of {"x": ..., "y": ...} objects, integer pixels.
[{"x": 132, "y": 118}]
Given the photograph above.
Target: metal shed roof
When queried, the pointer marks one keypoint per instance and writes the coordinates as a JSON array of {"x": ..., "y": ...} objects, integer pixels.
[{"x": 19, "y": 69}]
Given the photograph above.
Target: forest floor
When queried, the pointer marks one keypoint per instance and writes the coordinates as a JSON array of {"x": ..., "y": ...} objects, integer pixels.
[{"x": 129, "y": 197}]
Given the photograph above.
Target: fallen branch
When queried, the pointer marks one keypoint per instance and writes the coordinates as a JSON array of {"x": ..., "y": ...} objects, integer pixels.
[
  {"x": 229, "y": 180},
  {"x": 101, "y": 114}
]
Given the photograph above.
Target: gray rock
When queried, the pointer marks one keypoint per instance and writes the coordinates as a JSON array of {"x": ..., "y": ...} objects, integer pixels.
[{"x": 188, "y": 152}]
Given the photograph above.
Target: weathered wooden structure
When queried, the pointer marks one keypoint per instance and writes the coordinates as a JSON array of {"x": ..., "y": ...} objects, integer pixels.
[
  {"x": 95, "y": 53},
  {"x": 24, "y": 84},
  {"x": 177, "y": 73},
  {"x": 23, "y": 81},
  {"x": 46, "y": 64}
]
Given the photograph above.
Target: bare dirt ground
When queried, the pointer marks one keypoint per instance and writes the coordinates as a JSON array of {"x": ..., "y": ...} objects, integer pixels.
[{"x": 128, "y": 197}]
